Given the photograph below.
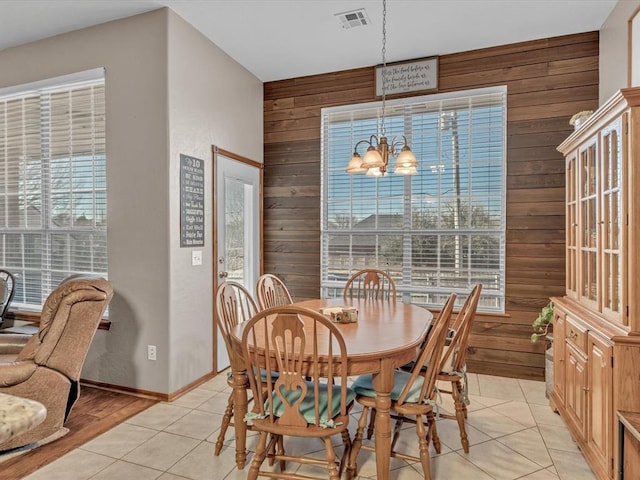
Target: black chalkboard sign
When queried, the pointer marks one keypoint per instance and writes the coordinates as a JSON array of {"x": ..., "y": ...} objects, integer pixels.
[{"x": 191, "y": 201}]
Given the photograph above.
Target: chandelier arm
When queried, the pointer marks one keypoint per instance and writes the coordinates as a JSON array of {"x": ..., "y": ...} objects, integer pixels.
[
  {"x": 397, "y": 141},
  {"x": 368, "y": 142}
]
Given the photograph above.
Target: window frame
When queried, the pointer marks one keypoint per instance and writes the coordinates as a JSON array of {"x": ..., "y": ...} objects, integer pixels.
[
  {"x": 494, "y": 298},
  {"x": 80, "y": 165}
]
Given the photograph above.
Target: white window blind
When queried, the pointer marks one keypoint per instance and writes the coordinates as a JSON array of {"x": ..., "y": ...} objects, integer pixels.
[
  {"x": 53, "y": 204},
  {"x": 439, "y": 231}
]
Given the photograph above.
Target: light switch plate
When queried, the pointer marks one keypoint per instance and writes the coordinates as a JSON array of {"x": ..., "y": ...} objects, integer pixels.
[{"x": 196, "y": 257}]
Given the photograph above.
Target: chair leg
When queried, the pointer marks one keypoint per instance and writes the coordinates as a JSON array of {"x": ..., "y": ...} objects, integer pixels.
[
  {"x": 280, "y": 451},
  {"x": 258, "y": 457},
  {"x": 346, "y": 442},
  {"x": 352, "y": 467},
  {"x": 424, "y": 447},
  {"x": 226, "y": 420},
  {"x": 460, "y": 416},
  {"x": 271, "y": 454},
  {"x": 331, "y": 460},
  {"x": 372, "y": 423},
  {"x": 459, "y": 386},
  {"x": 433, "y": 432},
  {"x": 396, "y": 432}
]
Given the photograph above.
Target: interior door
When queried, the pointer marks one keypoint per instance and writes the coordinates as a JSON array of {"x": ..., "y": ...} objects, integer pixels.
[{"x": 238, "y": 196}]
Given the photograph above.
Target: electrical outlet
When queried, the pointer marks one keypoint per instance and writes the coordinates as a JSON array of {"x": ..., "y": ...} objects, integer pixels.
[{"x": 151, "y": 352}]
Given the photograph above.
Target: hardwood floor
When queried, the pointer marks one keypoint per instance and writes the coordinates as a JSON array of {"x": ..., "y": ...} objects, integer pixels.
[{"x": 95, "y": 412}]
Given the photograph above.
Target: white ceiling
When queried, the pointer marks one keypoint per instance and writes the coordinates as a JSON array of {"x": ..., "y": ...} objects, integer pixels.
[{"x": 276, "y": 39}]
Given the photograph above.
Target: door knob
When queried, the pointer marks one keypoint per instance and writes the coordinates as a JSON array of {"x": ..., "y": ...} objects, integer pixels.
[{"x": 223, "y": 274}]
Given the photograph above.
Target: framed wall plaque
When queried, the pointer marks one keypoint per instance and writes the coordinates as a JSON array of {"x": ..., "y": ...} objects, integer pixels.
[
  {"x": 191, "y": 201},
  {"x": 404, "y": 77}
]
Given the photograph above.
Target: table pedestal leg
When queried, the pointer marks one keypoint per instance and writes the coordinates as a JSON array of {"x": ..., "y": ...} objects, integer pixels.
[
  {"x": 383, "y": 383},
  {"x": 239, "y": 411}
]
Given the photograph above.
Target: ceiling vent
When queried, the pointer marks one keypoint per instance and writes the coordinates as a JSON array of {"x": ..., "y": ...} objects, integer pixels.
[{"x": 354, "y": 18}]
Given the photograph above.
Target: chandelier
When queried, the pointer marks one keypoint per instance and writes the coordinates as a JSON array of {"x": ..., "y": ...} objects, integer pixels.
[{"x": 376, "y": 158}]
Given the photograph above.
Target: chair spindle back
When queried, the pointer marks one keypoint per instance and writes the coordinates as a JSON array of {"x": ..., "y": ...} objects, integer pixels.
[
  {"x": 370, "y": 284},
  {"x": 272, "y": 292},
  {"x": 430, "y": 356}
]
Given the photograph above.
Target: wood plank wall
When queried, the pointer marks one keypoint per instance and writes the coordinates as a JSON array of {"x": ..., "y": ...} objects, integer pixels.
[{"x": 548, "y": 81}]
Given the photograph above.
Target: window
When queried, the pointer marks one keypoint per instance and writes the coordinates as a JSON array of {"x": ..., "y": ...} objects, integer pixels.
[
  {"x": 53, "y": 204},
  {"x": 439, "y": 231}
]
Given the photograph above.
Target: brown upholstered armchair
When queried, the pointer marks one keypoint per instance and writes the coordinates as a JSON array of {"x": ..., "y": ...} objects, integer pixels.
[{"x": 47, "y": 369}]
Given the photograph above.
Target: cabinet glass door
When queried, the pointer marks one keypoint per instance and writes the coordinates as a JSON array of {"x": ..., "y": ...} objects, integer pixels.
[
  {"x": 572, "y": 226},
  {"x": 611, "y": 216},
  {"x": 588, "y": 225}
]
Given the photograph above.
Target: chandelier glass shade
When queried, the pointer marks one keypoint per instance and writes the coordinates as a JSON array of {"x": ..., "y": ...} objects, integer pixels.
[{"x": 376, "y": 159}]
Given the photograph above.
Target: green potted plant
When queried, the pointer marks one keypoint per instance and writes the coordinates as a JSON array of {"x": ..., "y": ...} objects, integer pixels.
[
  {"x": 541, "y": 323},
  {"x": 541, "y": 329}
]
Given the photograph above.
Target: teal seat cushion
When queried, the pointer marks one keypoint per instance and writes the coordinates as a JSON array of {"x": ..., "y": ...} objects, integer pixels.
[
  {"x": 263, "y": 375},
  {"x": 307, "y": 407},
  {"x": 363, "y": 386}
]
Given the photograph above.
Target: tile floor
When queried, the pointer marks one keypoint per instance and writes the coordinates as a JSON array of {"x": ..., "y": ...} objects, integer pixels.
[{"x": 512, "y": 431}]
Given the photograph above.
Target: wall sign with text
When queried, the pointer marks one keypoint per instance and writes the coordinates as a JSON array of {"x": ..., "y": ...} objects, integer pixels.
[
  {"x": 408, "y": 77},
  {"x": 191, "y": 201}
]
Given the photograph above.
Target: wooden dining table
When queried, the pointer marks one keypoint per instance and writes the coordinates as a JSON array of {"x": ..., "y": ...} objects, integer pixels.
[{"x": 385, "y": 336}]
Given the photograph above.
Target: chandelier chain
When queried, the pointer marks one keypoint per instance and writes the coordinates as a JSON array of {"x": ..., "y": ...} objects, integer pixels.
[
  {"x": 384, "y": 62},
  {"x": 376, "y": 159}
]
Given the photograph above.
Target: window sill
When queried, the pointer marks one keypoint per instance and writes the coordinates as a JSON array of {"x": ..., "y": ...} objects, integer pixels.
[{"x": 35, "y": 318}]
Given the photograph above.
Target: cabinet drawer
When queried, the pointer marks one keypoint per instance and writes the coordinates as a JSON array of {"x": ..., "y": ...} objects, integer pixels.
[{"x": 576, "y": 334}]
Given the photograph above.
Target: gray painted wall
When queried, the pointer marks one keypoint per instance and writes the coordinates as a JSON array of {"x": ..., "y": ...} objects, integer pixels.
[
  {"x": 212, "y": 101},
  {"x": 154, "y": 112},
  {"x": 614, "y": 49}
]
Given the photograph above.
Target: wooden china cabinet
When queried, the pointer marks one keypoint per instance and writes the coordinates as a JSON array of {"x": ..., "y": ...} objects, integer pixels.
[{"x": 597, "y": 322}]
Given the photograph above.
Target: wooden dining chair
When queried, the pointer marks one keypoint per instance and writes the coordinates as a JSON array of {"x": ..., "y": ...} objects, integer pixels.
[
  {"x": 7, "y": 290},
  {"x": 234, "y": 305},
  {"x": 300, "y": 343},
  {"x": 413, "y": 397},
  {"x": 454, "y": 366},
  {"x": 370, "y": 284},
  {"x": 272, "y": 292}
]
